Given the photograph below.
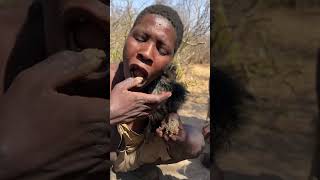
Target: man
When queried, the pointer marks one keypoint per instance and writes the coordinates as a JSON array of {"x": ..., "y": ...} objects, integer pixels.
[
  {"x": 53, "y": 95},
  {"x": 150, "y": 46}
]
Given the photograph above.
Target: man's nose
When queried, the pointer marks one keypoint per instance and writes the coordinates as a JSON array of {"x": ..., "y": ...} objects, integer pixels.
[{"x": 146, "y": 53}]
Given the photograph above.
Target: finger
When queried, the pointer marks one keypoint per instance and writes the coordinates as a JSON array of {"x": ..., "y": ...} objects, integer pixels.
[
  {"x": 67, "y": 66},
  {"x": 160, "y": 128},
  {"x": 140, "y": 111},
  {"x": 87, "y": 109},
  {"x": 159, "y": 132},
  {"x": 133, "y": 117},
  {"x": 166, "y": 137},
  {"x": 129, "y": 83},
  {"x": 153, "y": 98},
  {"x": 181, "y": 135},
  {"x": 173, "y": 137}
]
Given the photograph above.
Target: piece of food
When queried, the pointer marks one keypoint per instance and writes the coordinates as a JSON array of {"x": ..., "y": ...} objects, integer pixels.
[{"x": 171, "y": 125}]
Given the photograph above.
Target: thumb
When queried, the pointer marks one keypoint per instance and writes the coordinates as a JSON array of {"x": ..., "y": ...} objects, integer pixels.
[{"x": 130, "y": 83}]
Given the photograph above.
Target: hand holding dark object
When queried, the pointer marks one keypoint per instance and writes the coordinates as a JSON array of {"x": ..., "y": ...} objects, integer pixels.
[
  {"x": 45, "y": 134},
  {"x": 126, "y": 105}
]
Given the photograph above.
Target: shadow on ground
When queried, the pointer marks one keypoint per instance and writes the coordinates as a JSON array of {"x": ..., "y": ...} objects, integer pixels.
[{"x": 145, "y": 173}]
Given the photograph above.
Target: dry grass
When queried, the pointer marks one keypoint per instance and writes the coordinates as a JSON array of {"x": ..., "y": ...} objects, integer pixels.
[{"x": 197, "y": 78}]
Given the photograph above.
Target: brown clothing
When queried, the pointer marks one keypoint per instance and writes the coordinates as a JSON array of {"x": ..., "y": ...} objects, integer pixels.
[{"x": 138, "y": 151}]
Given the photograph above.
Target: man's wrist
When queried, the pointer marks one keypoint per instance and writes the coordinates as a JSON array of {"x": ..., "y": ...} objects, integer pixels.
[
  {"x": 114, "y": 119},
  {"x": 112, "y": 113}
]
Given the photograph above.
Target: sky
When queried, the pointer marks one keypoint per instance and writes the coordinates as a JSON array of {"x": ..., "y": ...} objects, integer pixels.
[
  {"x": 141, "y": 4},
  {"x": 137, "y": 4}
]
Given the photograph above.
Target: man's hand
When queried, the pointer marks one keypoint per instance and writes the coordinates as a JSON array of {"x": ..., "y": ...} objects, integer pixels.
[
  {"x": 187, "y": 144},
  {"x": 173, "y": 138},
  {"x": 126, "y": 106},
  {"x": 42, "y": 130}
]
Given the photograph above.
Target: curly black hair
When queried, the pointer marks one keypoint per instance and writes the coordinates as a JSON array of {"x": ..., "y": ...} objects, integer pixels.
[{"x": 168, "y": 13}]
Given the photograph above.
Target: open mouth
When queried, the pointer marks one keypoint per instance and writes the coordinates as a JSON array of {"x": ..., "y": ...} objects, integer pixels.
[{"x": 137, "y": 71}]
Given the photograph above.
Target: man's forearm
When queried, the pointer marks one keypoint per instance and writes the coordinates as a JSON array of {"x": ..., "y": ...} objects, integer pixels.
[
  {"x": 113, "y": 119},
  {"x": 178, "y": 151},
  {"x": 190, "y": 147}
]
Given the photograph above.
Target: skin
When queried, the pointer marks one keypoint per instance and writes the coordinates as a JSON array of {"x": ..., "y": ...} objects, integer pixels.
[
  {"x": 38, "y": 124},
  {"x": 150, "y": 46},
  {"x": 44, "y": 132}
]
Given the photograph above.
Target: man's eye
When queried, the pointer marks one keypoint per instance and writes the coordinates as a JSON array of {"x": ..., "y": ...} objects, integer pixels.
[
  {"x": 141, "y": 38},
  {"x": 163, "y": 52}
]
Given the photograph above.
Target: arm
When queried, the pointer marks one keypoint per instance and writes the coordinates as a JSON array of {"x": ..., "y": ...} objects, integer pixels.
[
  {"x": 187, "y": 144},
  {"x": 45, "y": 134}
]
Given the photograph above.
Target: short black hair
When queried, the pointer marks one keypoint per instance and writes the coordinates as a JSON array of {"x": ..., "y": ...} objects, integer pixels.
[{"x": 168, "y": 13}]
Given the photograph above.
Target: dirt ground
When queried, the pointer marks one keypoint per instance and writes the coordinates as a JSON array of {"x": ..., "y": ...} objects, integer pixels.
[
  {"x": 193, "y": 112},
  {"x": 276, "y": 141}
]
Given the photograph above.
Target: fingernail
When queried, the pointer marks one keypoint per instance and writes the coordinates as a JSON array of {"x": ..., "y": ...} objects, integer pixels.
[
  {"x": 169, "y": 94},
  {"x": 94, "y": 55},
  {"x": 139, "y": 79}
]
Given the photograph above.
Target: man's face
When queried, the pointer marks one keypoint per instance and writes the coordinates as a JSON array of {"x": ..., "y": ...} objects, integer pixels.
[{"x": 149, "y": 47}]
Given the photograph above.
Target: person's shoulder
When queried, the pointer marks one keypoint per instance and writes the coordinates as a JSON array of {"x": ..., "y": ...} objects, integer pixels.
[{"x": 114, "y": 66}]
